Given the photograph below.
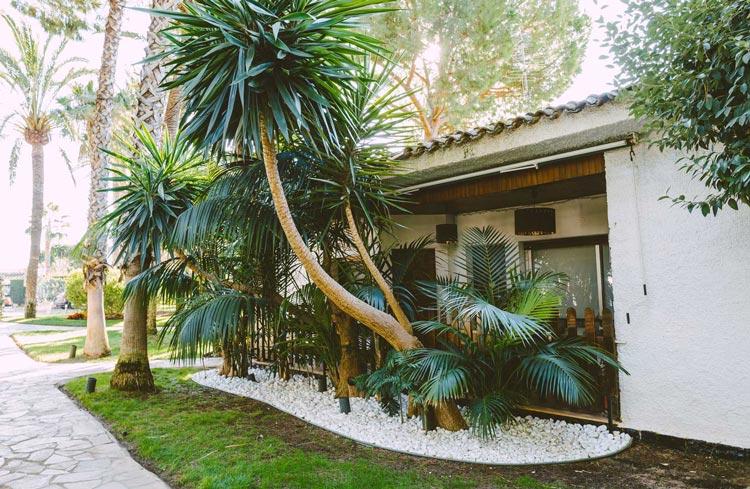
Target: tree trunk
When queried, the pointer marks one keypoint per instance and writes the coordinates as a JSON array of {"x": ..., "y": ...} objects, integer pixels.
[
  {"x": 380, "y": 322},
  {"x": 100, "y": 135},
  {"x": 132, "y": 372},
  {"x": 374, "y": 272},
  {"x": 37, "y": 210},
  {"x": 97, "y": 343},
  {"x": 172, "y": 113},
  {"x": 151, "y": 98},
  {"x": 151, "y": 316}
]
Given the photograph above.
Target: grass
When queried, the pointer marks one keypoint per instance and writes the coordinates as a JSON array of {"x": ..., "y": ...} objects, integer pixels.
[
  {"x": 57, "y": 348},
  {"x": 60, "y": 320},
  {"x": 200, "y": 438}
]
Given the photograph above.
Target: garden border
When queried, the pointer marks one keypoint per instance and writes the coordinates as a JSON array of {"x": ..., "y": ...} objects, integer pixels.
[{"x": 416, "y": 454}]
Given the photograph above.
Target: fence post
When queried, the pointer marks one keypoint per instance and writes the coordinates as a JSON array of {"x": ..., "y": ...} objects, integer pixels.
[
  {"x": 572, "y": 320},
  {"x": 589, "y": 325}
]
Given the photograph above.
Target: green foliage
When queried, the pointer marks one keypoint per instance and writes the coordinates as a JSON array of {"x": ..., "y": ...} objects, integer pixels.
[
  {"x": 203, "y": 438},
  {"x": 388, "y": 383},
  {"x": 114, "y": 300},
  {"x": 51, "y": 288},
  {"x": 687, "y": 64},
  {"x": 154, "y": 184},
  {"x": 38, "y": 75},
  {"x": 286, "y": 61},
  {"x": 67, "y": 17},
  {"x": 470, "y": 61},
  {"x": 495, "y": 344}
]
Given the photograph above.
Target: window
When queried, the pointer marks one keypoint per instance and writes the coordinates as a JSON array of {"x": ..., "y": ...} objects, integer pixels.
[{"x": 585, "y": 261}]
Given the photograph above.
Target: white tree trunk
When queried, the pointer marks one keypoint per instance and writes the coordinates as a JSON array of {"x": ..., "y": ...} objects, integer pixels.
[
  {"x": 37, "y": 210},
  {"x": 100, "y": 135}
]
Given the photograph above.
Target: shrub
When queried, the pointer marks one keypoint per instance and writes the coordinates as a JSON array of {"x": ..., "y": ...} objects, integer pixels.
[
  {"x": 496, "y": 349},
  {"x": 114, "y": 302}
]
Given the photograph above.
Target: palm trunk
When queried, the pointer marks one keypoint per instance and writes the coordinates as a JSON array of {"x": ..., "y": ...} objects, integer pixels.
[
  {"x": 373, "y": 269},
  {"x": 173, "y": 110},
  {"x": 132, "y": 372},
  {"x": 151, "y": 316},
  {"x": 97, "y": 343},
  {"x": 378, "y": 321},
  {"x": 37, "y": 205}
]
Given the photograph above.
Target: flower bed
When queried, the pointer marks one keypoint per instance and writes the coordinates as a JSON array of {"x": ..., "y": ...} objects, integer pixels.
[{"x": 528, "y": 441}]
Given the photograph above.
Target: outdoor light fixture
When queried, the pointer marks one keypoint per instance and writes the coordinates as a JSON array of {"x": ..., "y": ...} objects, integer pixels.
[
  {"x": 446, "y": 233},
  {"x": 535, "y": 221}
]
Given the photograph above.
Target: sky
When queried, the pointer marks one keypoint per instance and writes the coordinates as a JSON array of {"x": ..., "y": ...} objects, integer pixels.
[{"x": 72, "y": 198}]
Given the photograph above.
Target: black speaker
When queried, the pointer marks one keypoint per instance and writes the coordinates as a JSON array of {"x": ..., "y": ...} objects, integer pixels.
[{"x": 446, "y": 233}]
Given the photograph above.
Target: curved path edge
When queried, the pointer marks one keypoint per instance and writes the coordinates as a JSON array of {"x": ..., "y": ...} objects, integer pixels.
[
  {"x": 368, "y": 443},
  {"x": 46, "y": 439}
]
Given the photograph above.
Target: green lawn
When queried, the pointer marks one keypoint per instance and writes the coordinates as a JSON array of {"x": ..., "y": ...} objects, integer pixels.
[
  {"x": 201, "y": 438},
  {"x": 58, "y": 321},
  {"x": 58, "y": 346}
]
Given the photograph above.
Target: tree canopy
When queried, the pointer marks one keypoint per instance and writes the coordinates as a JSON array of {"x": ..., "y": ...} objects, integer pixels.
[
  {"x": 687, "y": 63},
  {"x": 466, "y": 62}
]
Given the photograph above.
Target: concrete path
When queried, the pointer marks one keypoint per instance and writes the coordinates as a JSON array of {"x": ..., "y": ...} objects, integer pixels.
[{"x": 46, "y": 441}]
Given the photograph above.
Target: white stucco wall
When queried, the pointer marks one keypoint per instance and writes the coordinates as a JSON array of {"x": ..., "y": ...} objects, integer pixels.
[{"x": 687, "y": 343}]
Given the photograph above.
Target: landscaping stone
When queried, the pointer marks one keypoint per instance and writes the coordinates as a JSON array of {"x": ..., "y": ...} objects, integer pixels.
[{"x": 529, "y": 440}]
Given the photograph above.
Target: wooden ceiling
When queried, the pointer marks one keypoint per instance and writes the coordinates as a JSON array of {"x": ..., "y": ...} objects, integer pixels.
[{"x": 566, "y": 179}]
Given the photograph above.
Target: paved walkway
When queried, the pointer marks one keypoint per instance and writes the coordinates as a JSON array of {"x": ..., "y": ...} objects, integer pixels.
[{"x": 46, "y": 441}]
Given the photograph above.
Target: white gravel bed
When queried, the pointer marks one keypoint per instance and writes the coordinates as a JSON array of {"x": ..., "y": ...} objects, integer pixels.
[{"x": 529, "y": 441}]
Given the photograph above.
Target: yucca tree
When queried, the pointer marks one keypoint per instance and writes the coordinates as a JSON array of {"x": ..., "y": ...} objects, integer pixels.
[
  {"x": 496, "y": 345},
  {"x": 38, "y": 75},
  {"x": 154, "y": 185},
  {"x": 259, "y": 72}
]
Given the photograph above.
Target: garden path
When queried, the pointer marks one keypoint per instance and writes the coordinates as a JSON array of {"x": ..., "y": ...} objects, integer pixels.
[{"x": 46, "y": 440}]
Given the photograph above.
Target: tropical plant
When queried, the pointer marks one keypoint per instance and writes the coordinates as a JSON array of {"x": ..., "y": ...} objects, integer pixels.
[
  {"x": 38, "y": 74},
  {"x": 466, "y": 62},
  {"x": 495, "y": 343},
  {"x": 251, "y": 88},
  {"x": 686, "y": 66},
  {"x": 66, "y": 17},
  {"x": 114, "y": 299},
  {"x": 154, "y": 185}
]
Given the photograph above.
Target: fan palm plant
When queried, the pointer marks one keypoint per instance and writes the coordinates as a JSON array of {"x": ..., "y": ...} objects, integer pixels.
[
  {"x": 496, "y": 347},
  {"x": 39, "y": 75},
  {"x": 154, "y": 185},
  {"x": 259, "y": 72}
]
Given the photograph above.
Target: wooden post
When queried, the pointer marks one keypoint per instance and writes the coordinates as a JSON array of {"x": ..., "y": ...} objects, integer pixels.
[
  {"x": 589, "y": 325},
  {"x": 572, "y": 320}
]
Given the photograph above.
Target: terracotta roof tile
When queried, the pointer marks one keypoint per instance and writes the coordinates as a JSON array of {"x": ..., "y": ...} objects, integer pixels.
[{"x": 461, "y": 137}]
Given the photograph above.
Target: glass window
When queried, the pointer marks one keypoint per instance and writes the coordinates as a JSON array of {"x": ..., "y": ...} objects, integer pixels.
[{"x": 587, "y": 267}]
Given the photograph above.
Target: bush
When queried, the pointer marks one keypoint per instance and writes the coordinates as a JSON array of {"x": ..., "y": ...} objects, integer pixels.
[{"x": 113, "y": 298}]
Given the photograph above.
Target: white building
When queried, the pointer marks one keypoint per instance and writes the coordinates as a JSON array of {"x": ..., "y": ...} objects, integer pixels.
[{"x": 678, "y": 283}]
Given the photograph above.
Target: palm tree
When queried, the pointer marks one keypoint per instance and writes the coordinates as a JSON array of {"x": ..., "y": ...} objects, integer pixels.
[
  {"x": 154, "y": 184},
  {"x": 39, "y": 75},
  {"x": 99, "y": 136},
  {"x": 252, "y": 87},
  {"x": 496, "y": 346}
]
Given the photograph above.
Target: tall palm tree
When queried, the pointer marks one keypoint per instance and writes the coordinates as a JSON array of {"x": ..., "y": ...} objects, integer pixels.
[
  {"x": 252, "y": 87},
  {"x": 100, "y": 135},
  {"x": 39, "y": 75},
  {"x": 149, "y": 118}
]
